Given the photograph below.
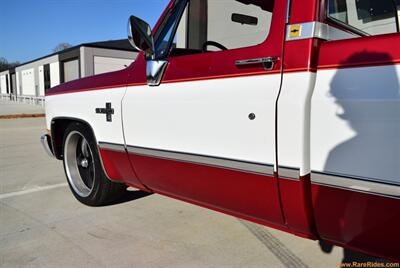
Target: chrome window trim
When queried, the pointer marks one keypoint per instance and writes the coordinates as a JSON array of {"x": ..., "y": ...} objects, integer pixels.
[
  {"x": 288, "y": 9},
  {"x": 347, "y": 26},
  {"x": 315, "y": 29},
  {"x": 363, "y": 185}
]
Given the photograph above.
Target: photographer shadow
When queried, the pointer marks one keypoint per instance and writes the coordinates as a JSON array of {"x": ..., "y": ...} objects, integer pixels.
[{"x": 369, "y": 103}]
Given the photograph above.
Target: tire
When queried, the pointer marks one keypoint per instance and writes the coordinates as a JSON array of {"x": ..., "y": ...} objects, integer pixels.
[{"x": 84, "y": 171}]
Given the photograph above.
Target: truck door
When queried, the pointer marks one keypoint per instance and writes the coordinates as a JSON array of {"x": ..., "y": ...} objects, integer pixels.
[{"x": 206, "y": 133}]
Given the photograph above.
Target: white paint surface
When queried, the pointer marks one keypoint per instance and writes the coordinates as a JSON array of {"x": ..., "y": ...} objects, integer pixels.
[
  {"x": 71, "y": 70},
  {"x": 109, "y": 64},
  {"x": 83, "y": 105},
  {"x": 355, "y": 123},
  {"x": 28, "y": 82},
  {"x": 41, "y": 80},
  {"x": 294, "y": 121},
  {"x": 206, "y": 117},
  {"x": 3, "y": 84},
  {"x": 17, "y": 75},
  {"x": 54, "y": 74}
]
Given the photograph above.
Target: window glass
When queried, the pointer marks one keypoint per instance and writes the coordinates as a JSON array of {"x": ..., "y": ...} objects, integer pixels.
[
  {"x": 371, "y": 17},
  {"x": 163, "y": 37},
  {"x": 229, "y": 24},
  {"x": 236, "y": 24}
]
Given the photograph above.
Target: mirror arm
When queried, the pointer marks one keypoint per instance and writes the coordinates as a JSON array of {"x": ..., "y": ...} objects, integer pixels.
[{"x": 155, "y": 70}]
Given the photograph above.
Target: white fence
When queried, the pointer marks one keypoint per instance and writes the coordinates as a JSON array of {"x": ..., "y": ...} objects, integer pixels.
[{"x": 24, "y": 99}]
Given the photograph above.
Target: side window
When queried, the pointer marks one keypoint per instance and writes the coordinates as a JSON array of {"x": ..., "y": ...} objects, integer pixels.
[
  {"x": 238, "y": 24},
  {"x": 368, "y": 17},
  {"x": 214, "y": 25}
]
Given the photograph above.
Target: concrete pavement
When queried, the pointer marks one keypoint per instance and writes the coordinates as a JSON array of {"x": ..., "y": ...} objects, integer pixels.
[
  {"x": 42, "y": 225},
  {"x": 23, "y": 162}
]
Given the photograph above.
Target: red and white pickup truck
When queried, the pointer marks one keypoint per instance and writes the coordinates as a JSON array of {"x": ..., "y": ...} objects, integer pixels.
[{"x": 285, "y": 113}]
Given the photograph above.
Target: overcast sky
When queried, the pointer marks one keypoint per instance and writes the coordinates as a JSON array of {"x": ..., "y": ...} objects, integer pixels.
[{"x": 31, "y": 29}]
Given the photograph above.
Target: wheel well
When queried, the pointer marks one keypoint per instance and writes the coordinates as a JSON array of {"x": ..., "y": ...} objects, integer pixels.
[{"x": 58, "y": 127}]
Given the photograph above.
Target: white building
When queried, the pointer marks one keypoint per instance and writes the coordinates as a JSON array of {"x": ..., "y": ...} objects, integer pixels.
[
  {"x": 32, "y": 79},
  {"x": 5, "y": 79}
]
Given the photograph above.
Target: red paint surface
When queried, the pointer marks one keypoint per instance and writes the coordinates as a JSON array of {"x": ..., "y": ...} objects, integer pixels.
[
  {"x": 365, "y": 222},
  {"x": 360, "y": 52},
  {"x": 237, "y": 193},
  {"x": 304, "y": 11},
  {"x": 297, "y": 206},
  {"x": 301, "y": 55},
  {"x": 241, "y": 216},
  {"x": 118, "y": 167},
  {"x": 360, "y": 221},
  {"x": 96, "y": 82},
  {"x": 221, "y": 64}
]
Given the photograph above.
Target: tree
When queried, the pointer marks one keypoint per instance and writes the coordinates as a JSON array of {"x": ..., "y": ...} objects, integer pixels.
[
  {"x": 5, "y": 65},
  {"x": 61, "y": 47}
]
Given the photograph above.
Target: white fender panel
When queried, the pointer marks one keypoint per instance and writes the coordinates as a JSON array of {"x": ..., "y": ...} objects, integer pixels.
[
  {"x": 82, "y": 105},
  {"x": 355, "y": 123}
]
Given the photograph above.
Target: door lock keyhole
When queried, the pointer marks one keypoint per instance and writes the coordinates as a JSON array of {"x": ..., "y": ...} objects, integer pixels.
[{"x": 252, "y": 116}]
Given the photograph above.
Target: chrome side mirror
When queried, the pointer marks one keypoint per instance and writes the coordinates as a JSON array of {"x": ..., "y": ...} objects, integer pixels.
[{"x": 140, "y": 36}]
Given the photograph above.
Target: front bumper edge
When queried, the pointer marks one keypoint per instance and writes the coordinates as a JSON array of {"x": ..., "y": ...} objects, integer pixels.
[{"x": 46, "y": 143}]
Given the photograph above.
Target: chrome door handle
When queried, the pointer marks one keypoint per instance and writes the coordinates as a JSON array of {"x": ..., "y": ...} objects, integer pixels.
[{"x": 267, "y": 62}]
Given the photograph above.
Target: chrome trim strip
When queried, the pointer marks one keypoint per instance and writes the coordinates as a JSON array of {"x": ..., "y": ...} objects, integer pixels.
[
  {"x": 288, "y": 8},
  {"x": 319, "y": 30},
  {"x": 357, "y": 185},
  {"x": 250, "y": 167},
  {"x": 289, "y": 173},
  {"x": 112, "y": 146},
  {"x": 46, "y": 143}
]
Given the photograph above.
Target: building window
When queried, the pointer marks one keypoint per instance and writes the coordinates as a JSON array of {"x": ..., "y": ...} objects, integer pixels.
[{"x": 46, "y": 74}]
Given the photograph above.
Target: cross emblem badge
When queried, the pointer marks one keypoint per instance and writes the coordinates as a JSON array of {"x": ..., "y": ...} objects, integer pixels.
[{"x": 108, "y": 111}]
